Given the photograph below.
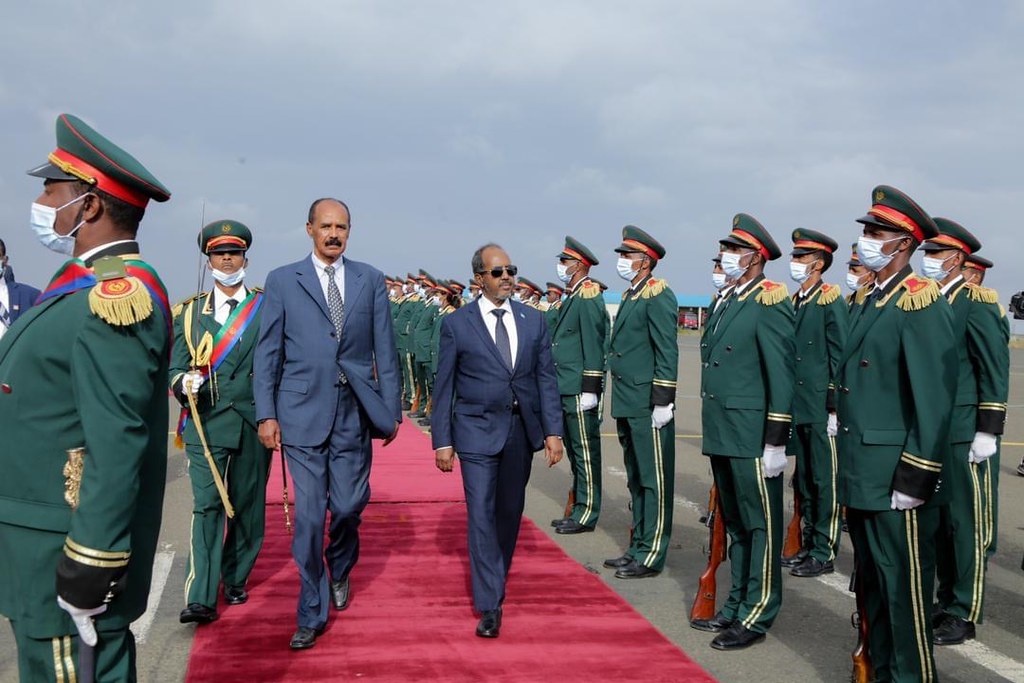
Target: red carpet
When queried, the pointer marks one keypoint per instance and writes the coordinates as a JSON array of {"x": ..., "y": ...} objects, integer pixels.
[{"x": 410, "y": 618}]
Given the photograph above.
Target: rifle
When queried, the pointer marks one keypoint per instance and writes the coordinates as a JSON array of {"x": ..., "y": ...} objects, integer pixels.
[
  {"x": 863, "y": 672},
  {"x": 707, "y": 590},
  {"x": 794, "y": 532},
  {"x": 570, "y": 503}
]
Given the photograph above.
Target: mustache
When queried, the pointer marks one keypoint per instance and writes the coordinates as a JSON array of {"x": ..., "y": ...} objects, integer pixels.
[{"x": 333, "y": 242}]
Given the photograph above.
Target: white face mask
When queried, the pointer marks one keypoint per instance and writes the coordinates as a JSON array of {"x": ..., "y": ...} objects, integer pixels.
[
  {"x": 853, "y": 282},
  {"x": 719, "y": 280},
  {"x": 932, "y": 267},
  {"x": 624, "y": 267},
  {"x": 870, "y": 252},
  {"x": 42, "y": 220},
  {"x": 228, "y": 279},
  {"x": 563, "y": 273},
  {"x": 798, "y": 271},
  {"x": 731, "y": 265}
]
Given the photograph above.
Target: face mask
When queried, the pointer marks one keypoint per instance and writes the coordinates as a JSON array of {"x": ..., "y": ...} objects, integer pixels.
[
  {"x": 798, "y": 271},
  {"x": 932, "y": 267},
  {"x": 435, "y": 300},
  {"x": 731, "y": 265},
  {"x": 624, "y": 267},
  {"x": 719, "y": 280},
  {"x": 42, "y": 220},
  {"x": 228, "y": 279},
  {"x": 563, "y": 273},
  {"x": 870, "y": 252},
  {"x": 852, "y": 281}
]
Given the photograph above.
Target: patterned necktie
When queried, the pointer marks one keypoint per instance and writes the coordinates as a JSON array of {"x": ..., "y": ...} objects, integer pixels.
[
  {"x": 5, "y": 317},
  {"x": 334, "y": 303},
  {"x": 501, "y": 339}
]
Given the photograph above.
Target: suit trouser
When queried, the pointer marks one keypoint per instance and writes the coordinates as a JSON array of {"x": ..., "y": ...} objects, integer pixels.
[
  {"x": 963, "y": 537},
  {"x": 649, "y": 456},
  {"x": 56, "y": 660},
  {"x": 815, "y": 481},
  {"x": 495, "y": 488},
  {"x": 214, "y": 555},
  {"x": 752, "y": 509},
  {"x": 582, "y": 430},
  {"x": 334, "y": 475},
  {"x": 895, "y": 555}
]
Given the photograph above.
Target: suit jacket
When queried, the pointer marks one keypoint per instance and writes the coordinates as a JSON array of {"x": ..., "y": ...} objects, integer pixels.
[
  {"x": 475, "y": 393},
  {"x": 578, "y": 340},
  {"x": 22, "y": 297},
  {"x": 299, "y": 362},
  {"x": 822, "y": 322},
  {"x": 897, "y": 380}
]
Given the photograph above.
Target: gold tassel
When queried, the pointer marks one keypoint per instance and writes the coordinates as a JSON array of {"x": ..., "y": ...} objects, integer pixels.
[
  {"x": 178, "y": 308},
  {"x": 589, "y": 289},
  {"x": 829, "y": 293},
  {"x": 982, "y": 294},
  {"x": 179, "y": 443},
  {"x": 920, "y": 293},
  {"x": 652, "y": 289},
  {"x": 860, "y": 295},
  {"x": 772, "y": 293},
  {"x": 121, "y": 301}
]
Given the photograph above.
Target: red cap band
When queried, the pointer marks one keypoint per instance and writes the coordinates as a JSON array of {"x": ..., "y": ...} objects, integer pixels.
[
  {"x": 641, "y": 247},
  {"x": 69, "y": 163},
  {"x": 752, "y": 241},
  {"x": 576, "y": 255},
  {"x": 809, "y": 244},
  {"x": 898, "y": 219},
  {"x": 950, "y": 241}
]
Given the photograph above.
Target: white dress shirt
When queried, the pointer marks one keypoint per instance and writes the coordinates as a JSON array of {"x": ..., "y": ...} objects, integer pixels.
[
  {"x": 5, "y": 302},
  {"x": 491, "y": 321},
  {"x": 87, "y": 255},
  {"x": 950, "y": 285},
  {"x": 221, "y": 310},
  {"x": 339, "y": 275}
]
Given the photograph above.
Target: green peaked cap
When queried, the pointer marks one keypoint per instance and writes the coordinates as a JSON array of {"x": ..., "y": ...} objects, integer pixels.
[
  {"x": 748, "y": 232},
  {"x": 952, "y": 235},
  {"x": 226, "y": 235},
  {"x": 893, "y": 210}
]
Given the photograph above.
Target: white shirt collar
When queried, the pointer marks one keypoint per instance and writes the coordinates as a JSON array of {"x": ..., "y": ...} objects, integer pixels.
[
  {"x": 95, "y": 250},
  {"x": 486, "y": 306},
  {"x": 339, "y": 265}
]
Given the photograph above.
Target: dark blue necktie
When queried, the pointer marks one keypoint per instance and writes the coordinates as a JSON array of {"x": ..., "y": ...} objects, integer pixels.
[{"x": 501, "y": 338}]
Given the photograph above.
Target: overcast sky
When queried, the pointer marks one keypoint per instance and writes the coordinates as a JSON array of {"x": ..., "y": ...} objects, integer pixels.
[{"x": 448, "y": 124}]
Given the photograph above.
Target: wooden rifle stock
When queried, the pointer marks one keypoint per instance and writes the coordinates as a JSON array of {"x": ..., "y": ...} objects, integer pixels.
[
  {"x": 707, "y": 589},
  {"x": 794, "y": 532},
  {"x": 863, "y": 672}
]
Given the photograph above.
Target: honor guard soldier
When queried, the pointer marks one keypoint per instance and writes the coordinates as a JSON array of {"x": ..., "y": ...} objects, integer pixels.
[
  {"x": 746, "y": 396},
  {"x": 211, "y": 375},
  {"x": 529, "y": 293},
  {"x": 553, "y": 302},
  {"x": 578, "y": 351},
  {"x": 822, "y": 321},
  {"x": 83, "y": 413},
  {"x": 723, "y": 288},
  {"x": 979, "y": 413},
  {"x": 975, "y": 268},
  {"x": 896, "y": 384},
  {"x": 422, "y": 331},
  {"x": 643, "y": 359},
  {"x": 859, "y": 280},
  {"x": 407, "y": 308}
]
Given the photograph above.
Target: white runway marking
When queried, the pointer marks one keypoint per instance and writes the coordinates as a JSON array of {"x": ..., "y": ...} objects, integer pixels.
[{"x": 161, "y": 570}]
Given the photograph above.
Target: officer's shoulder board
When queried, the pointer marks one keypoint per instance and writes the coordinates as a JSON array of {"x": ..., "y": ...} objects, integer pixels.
[
  {"x": 771, "y": 293},
  {"x": 828, "y": 294},
  {"x": 180, "y": 306},
  {"x": 982, "y": 294},
  {"x": 653, "y": 288},
  {"x": 588, "y": 290},
  {"x": 918, "y": 293},
  {"x": 118, "y": 298}
]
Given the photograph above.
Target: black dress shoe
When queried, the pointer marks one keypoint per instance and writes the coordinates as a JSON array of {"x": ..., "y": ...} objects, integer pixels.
[
  {"x": 560, "y": 521},
  {"x": 339, "y": 594},
  {"x": 939, "y": 613},
  {"x": 406, "y": 405},
  {"x": 490, "y": 624},
  {"x": 418, "y": 414},
  {"x": 635, "y": 570},
  {"x": 304, "y": 638},
  {"x": 953, "y": 630},
  {"x": 717, "y": 623},
  {"x": 197, "y": 614},
  {"x": 235, "y": 595},
  {"x": 618, "y": 562},
  {"x": 736, "y": 637},
  {"x": 1020, "y": 468},
  {"x": 423, "y": 422},
  {"x": 812, "y": 566},
  {"x": 794, "y": 560},
  {"x": 573, "y": 527}
]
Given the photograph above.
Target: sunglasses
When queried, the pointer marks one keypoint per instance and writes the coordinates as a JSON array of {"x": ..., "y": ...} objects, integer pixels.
[{"x": 499, "y": 271}]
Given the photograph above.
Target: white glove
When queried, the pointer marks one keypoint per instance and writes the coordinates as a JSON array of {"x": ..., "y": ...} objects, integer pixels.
[
  {"x": 83, "y": 620},
  {"x": 662, "y": 415},
  {"x": 774, "y": 460},
  {"x": 588, "y": 401},
  {"x": 191, "y": 381},
  {"x": 901, "y": 501},
  {"x": 833, "y": 424},
  {"x": 983, "y": 447}
]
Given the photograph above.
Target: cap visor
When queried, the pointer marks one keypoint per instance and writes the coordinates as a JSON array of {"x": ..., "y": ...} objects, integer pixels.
[
  {"x": 224, "y": 248},
  {"x": 735, "y": 241},
  {"x": 802, "y": 251},
  {"x": 871, "y": 220},
  {"x": 50, "y": 172}
]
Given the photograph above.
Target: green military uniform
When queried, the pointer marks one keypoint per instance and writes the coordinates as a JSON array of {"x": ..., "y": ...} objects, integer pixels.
[
  {"x": 408, "y": 307},
  {"x": 643, "y": 359},
  {"x": 220, "y": 548},
  {"x": 983, "y": 362},
  {"x": 83, "y": 415},
  {"x": 435, "y": 333},
  {"x": 896, "y": 383},
  {"x": 857, "y": 296},
  {"x": 746, "y": 398},
  {"x": 822, "y": 321},
  {"x": 421, "y": 334},
  {"x": 553, "y": 309},
  {"x": 578, "y": 352}
]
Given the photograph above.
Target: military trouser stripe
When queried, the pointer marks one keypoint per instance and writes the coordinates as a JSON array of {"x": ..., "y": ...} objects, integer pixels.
[
  {"x": 63, "y": 660},
  {"x": 69, "y": 660},
  {"x": 978, "y": 587},
  {"x": 659, "y": 475},
  {"x": 587, "y": 463},
  {"x": 833, "y": 523},
  {"x": 766, "y": 562},
  {"x": 917, "y": 598},
  {"x": 989, "y": 507},
  {"x": 191, "y": 550}
]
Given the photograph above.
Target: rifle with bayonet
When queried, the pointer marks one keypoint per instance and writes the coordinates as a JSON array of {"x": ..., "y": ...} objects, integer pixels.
[{"x": 707, "y": 589}]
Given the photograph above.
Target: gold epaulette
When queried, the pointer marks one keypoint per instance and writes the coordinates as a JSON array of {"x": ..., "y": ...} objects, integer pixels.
[
  {"x": 982, "y": 294},
  {"x": 256, "y": 289},
  {"x": 653, "y": 288},
  {"x": 180, "y": 306},
  {"x": 588, "y": 290},
  {"x": 772, "y": 293},
  {"x": 118, "y": 298},
  {"x": 829, "y": 293},
  {"x": 860, "y": 295},
  {"x": 920, "y": 292}
]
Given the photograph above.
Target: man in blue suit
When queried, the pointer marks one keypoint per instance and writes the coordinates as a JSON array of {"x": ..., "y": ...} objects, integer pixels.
[
  {"x": 496, "y": 402},
  {"x": 15, "y": 297},
  {"x": 326, "y": 380}
]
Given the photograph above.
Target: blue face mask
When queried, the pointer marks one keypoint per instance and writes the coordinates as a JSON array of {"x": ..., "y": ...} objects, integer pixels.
[
  {"x": 228, "y": 279},
  {"x": 42, "y": 220}
]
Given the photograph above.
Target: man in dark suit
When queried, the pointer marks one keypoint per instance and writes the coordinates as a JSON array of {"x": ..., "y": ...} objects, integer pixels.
[
  {"x": 15, "y": 297},
  {"x": 326, "y": 380},
  {"x": 496, "y": 402}
]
